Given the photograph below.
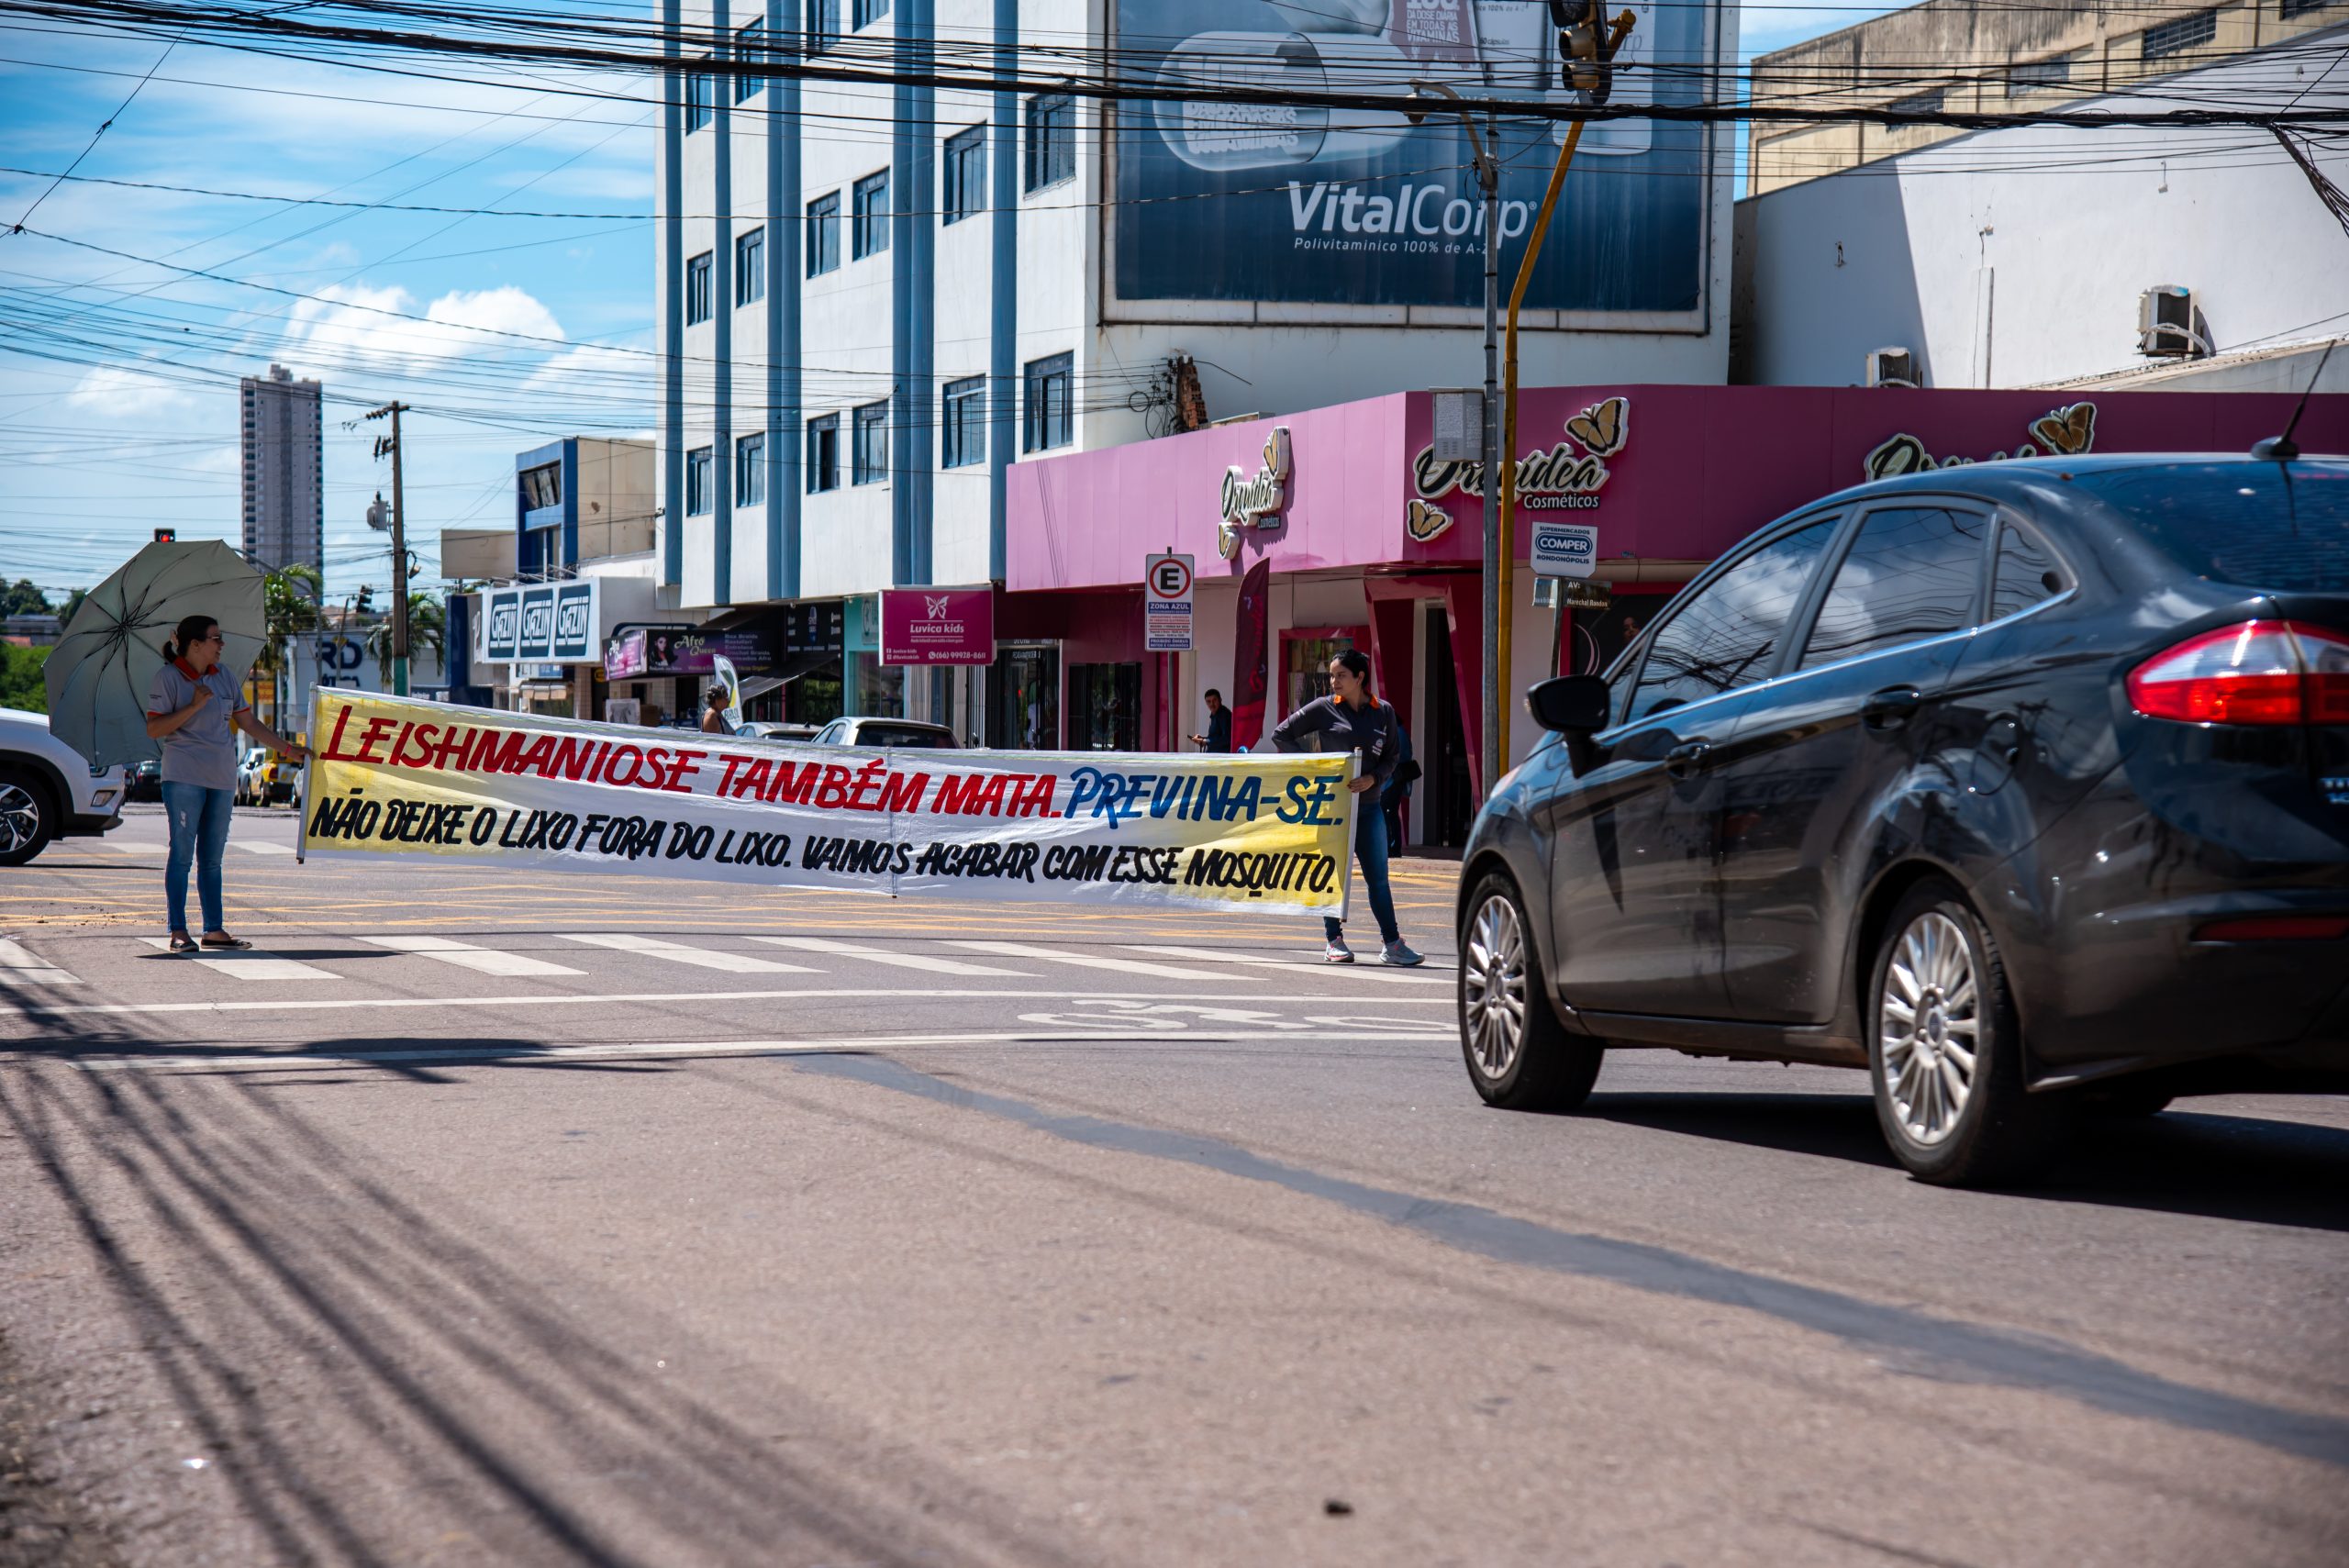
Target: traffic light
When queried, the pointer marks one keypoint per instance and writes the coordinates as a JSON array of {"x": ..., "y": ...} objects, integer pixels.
[
  {"x": 167, "y": 536},
  {"x": 1587, "y": 45},
  {"x": 366, "y": 600}
]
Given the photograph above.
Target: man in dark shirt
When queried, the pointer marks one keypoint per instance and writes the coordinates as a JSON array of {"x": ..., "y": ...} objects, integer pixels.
[{"x": 1219, "y": 735}]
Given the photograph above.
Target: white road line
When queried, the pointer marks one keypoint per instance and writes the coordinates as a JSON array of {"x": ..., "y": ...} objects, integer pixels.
[
  {"x": 884, "y": 955},
  {"x": 466, "y": 955},
  {"x": 1359, "y": 969},
  {"x": 263, "y": 847},
  {"x": 847, "y": 993},
  {"x": 1090, "y": 960},
  {"x": 251, "y": 963},
  {"x": 677, "y": 952},
  {"x": 19, "y": 967}
]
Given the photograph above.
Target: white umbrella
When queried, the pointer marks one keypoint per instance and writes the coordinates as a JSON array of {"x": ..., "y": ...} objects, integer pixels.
[{"x": 101, "y": 670}]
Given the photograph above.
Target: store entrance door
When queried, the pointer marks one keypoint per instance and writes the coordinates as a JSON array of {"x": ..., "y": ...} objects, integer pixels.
[
  {"x": 1024, "y": 697},
  {"x": 1450, "y": 799}
]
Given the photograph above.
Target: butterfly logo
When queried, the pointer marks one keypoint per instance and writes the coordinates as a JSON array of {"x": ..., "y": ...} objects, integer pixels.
[
  {"x": 1603, "y": 427},
  {"x": 1424, "y": 521},
  {"x": 937, "y": 604},
  {"x": 2066, "y": 432}
]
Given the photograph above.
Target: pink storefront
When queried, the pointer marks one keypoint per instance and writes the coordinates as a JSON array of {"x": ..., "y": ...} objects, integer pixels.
[{"x": 1373, "y": 542}]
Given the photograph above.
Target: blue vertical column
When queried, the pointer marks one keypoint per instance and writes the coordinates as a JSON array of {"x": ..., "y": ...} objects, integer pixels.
[
  {"x": 1002, "y": 327},
  {"x": 913, "y": 236},
  {"x": 673, "y": 314},
  {"x": 723, "y": 285},
  {"x": 785, "y": 488}
]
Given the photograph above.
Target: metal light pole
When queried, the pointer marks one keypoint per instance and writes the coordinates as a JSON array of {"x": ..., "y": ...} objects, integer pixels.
[{"x": 399, "y": 547}]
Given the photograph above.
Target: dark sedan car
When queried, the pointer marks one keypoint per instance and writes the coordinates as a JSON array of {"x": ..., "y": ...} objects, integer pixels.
[{"x": 2022, "y": 785}]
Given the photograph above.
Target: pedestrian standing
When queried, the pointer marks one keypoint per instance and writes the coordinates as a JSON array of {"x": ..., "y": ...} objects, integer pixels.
[
  {"x": 1360, "y": 723},
  {"x": 1219, "y": 735},
  {"x": 713, "y": 717},
  {"x": 194, "y": 708}
]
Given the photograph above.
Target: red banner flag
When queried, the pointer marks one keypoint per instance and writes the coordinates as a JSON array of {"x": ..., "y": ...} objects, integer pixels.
[{"x": 1248, "y": 675}]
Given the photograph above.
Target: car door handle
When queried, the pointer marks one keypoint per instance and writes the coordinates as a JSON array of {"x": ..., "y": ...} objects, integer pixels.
[
  {"x": 1684, "y": 759},
  {"x": 1891, "y": 707}
]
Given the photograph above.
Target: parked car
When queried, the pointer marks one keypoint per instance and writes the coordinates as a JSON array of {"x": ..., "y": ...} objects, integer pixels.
[
  {"x": 49, "y": 791},
  {"x": 775, "y": 729},
  {"x": 264, "y": 778},
  {"x": 144, "y": 779},
  {"x": 2022, "y": 785},
  {"x": 885, "y": 732}
]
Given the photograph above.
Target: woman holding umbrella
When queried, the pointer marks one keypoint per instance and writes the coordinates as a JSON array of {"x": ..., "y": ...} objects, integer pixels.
[{"x": 194, "y": 708}]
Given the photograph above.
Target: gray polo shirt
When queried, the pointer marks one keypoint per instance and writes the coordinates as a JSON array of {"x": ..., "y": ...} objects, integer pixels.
[{"x": 204, "y": 750}]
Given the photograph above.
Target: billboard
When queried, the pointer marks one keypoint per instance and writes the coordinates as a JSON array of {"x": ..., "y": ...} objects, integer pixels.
[
  {"x": 544, "y": 624},
  {"x": 1286, "y": 204},
  {"x": 938, "y": 626}
]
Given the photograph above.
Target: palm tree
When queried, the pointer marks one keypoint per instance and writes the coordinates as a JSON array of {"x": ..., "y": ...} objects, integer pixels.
[
  {"x": 427, "y": 621},
  {"x": 289, "y": 609}
]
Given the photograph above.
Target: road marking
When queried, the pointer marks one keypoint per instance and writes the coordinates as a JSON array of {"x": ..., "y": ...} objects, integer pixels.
[
  {"x": 1361, "y": 970},
  {"x": 678, "y": 953},
  {"x": 1089, "y": 961},
  {"x": 466, "y": 955},
  {"x": 19, "y": 967},
  {"x": 263, "y": 847},
  {"x": 884, "y": 955},
  {"x": 250, "y": 963},
  {"x": 857, "y": 993}
]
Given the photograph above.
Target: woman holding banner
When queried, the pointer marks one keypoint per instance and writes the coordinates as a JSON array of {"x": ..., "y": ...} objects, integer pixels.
[{"x": 1364, "y": 725}]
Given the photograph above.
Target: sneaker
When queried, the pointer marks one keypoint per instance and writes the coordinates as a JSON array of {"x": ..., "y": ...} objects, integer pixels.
[
  {"x": 1401, "y": 956},
  {"x": 1337, "y": 952}
]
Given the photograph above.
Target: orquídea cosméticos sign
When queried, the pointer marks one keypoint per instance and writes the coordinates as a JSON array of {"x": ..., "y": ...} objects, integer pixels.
[{"x": 414, "y": 781}]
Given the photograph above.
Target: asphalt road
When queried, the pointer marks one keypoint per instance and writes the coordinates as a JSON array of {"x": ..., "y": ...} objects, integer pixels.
[{"x": 466, "y": 1224}]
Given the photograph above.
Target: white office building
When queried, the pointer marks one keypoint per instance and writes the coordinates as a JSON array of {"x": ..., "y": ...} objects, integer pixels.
[{"x": 285, "y": 506}]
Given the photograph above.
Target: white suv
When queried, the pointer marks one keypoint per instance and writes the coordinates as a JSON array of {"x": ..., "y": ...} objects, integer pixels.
[{"x": 47, "y": 789}]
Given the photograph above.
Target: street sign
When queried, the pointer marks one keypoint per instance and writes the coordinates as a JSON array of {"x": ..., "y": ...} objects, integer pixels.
[
  {"x": 1564, "y": 549},
  {"x": 1166, "y": 604}
]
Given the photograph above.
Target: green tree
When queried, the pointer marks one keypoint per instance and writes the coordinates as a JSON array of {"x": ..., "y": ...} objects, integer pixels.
[
  {"x": 427, "y": 621},
  {"x": 20, "y": 678},
  {"x": 21, "y": 598},
  {"x": 290, "y": 609},
  {"x": 72, "y": 603}
]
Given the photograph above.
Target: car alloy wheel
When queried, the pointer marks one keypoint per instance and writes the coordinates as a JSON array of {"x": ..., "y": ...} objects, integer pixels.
[
  {"x": 1493, "y": 970},
  {"x": 1929, "y": 1027},
  {"x": 24, "y": 823}
]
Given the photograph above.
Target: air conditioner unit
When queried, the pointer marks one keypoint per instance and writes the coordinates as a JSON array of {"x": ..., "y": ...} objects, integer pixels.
[
  {"x": 1893, "y": 367},
  {"x": 2166, "y": 323}
]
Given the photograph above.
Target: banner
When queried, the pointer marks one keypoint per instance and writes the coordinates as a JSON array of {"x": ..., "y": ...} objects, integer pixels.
[
  {"x": 1248, "y": 680},
  {"x": 400, "y": 780}
]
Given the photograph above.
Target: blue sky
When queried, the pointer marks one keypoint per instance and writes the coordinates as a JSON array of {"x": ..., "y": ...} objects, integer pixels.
[{"x": 543, "y": 323}]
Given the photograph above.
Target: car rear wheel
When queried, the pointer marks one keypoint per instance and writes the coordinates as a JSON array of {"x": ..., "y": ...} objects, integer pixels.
[
  {"x": 27, "y": 821},
  {"x": 1946, "y": 1048},
  {"x": 1519, "y": 1056}
]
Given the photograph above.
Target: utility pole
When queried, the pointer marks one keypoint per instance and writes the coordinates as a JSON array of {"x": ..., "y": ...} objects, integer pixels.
[{"x": 399, "y": 546}]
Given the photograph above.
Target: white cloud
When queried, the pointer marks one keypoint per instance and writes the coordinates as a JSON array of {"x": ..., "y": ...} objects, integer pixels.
[
  {"x": 351, "y": 326},
  {"x": 122, "y": 392}
]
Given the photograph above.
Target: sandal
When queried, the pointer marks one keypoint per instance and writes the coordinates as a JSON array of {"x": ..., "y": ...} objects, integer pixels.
[
  {"x": 182, "y": 942},
  {"x": 223, "y": 943}
]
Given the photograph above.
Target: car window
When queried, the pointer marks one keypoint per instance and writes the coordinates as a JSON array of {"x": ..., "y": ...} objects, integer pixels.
[
  {"x": 2027, "y": 574},
  {"x": 902, "y": 735},
  {"x": 1911, "y": 572},
  {"x": 2253, "y": 524},
  {"x": 830, "y": 734},
  {"x": 1728, "y": 635}
]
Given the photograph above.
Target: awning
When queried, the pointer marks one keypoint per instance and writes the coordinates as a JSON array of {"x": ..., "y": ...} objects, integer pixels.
[{"x": 760, "y": 686}]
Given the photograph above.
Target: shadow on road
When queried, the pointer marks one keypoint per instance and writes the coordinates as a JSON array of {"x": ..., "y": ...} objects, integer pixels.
[
  {"x": 2183, "y": 1161},
  {"x": 370, "y": 1379}
]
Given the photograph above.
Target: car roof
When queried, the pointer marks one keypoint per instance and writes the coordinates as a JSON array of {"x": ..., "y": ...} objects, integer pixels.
[{"x": 2037, "y": 473}]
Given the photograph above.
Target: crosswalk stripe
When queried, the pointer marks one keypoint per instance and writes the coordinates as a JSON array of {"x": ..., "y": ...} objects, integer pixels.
[
  {"x": 884, "y": 955},
  {"x": 1089, "y": 961},
  {"x": 677, "y": 952},
  {"x": 263, "y": 847},
  {"x": 466, "y": 955},
  {"x": 251, "y": 963},
  {"x": 1361, "y": 970},
  {"x": 19, "y": 967}
]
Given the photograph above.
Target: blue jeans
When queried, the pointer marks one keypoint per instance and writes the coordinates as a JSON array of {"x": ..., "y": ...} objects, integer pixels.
[
  {"x": 1369, "y": 848},
  {"x": 199, "y": 818}
]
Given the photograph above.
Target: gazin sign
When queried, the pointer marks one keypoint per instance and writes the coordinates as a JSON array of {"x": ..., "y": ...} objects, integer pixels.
[{"x": 1254, "y": 502}]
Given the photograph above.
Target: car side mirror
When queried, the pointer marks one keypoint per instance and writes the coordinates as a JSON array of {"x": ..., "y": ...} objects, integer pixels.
[{"x": 1570, "y": 704}]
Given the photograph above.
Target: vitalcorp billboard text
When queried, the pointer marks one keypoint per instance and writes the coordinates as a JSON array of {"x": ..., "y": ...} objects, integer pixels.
[{"x": 1365, "y": 207}]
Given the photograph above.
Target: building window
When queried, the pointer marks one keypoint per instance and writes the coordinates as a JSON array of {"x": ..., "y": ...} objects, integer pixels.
[
  {"x": 699, "y": 497},
  {"x": 1050, "y": 421},
  {"x": 1917, "y": 104},
  {"x": 543, "y": 486},
  {"x": 824, "y": 234},
  {"x": 823, "y": 24},
  {"x": 2291, "y": 8},
  {"x": 870, "y": 216},
  {"x": 2036, "y": 77},
  {"x": 824, "y": 453},
  {"x": 2178, "y": 36},
  {"x": 750, "y": 267},
  {"x": 697, "y": 290},
  {"x": 750, "y": 48},
  {"x": 873, "y": 443},
  {"x": 868, "y": 12},
  {"x": 750, "y": 471},
  {"x": 964, "y": 423},
  {"x": 966, "y": 174},
  {"x": 1051, "y": 140},
  {"x": 700, "y": 95}
]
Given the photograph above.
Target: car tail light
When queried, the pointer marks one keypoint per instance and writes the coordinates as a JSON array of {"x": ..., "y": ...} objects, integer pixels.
[
  {"x": 2263, "y": 672},
  {"x": 2274, "y": 929}
]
